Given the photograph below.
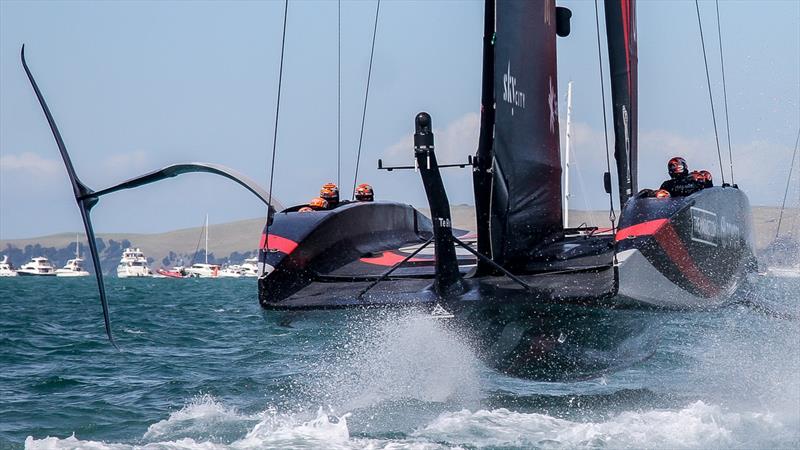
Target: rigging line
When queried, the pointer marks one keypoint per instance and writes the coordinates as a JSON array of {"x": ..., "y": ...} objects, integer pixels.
[
  {"x": 339, "y": 106},
  {"x": 710, "y": 97},
  {"x": 366, "y": 97},
  {"x": 788, "y": 183},
  {"x": 612, "y": 216},
  {"x": 275, "y": 132},
  {"x": 725, "y": 94}
]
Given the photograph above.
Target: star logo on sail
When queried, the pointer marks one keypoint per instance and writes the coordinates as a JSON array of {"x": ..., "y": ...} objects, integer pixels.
[
  {"x": 552, "y": 101},
  {"x": 513, "y": 96}
]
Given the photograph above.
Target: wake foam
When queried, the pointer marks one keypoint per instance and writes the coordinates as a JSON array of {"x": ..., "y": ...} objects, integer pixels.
[{"x": 697, "y": 426}]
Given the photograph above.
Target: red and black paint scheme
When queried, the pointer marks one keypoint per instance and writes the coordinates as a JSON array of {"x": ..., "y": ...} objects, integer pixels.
[
  {"x": 685, "y": 252},
  {"x": 534, "y": 293}
]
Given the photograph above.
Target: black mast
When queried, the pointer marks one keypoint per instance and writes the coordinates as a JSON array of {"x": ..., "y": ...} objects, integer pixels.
[
  {"x": 623, "y": 60},
  {"x": 481, "y": 171}
]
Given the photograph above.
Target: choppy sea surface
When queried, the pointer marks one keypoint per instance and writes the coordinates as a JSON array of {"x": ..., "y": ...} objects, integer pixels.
[{"x": 201, "y": 366}]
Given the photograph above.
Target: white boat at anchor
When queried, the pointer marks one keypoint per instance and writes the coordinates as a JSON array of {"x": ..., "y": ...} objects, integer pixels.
[
  {"x": 203, "y": 270},
  {"x": 231, "y": 271},
  {"x": 6, "y": 270},
  {"x": 249, "y": 268},
  {"x": 133, "y": 264},
  {"x": 74, "y": 267},
  {"x": 39, "y": 266}
]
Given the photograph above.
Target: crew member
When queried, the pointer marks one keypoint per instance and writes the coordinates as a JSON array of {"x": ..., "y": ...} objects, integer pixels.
[
  {"x": 330, "y": 192},
  {"x": 681, "y": 182},
  {"x": 305, "y": 209},
  {"x": 707, "y": 180},
  {"x": 318, "y": 204},
  {"x": 364, "y": 193}
]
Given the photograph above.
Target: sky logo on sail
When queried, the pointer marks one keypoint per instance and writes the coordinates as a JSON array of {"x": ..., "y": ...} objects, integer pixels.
[{"x": 510, "y": 92}]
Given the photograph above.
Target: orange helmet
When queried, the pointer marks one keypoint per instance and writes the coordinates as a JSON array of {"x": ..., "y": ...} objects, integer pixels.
[
  {"x": 662, "y": 193},
  {"x": 330, "y": 192},
  {"x": 698, "y": 176},
  {"x": 305, "y": 209},
  {"x": 707, "y": 177},
  {"x": 318, "y": 203},
  {"x": 677, "y": 167},
  {"x": 364, "y": 193}
]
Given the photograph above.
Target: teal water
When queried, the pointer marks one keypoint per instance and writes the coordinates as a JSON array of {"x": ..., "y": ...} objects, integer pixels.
[{"x": 202, "y": 367}]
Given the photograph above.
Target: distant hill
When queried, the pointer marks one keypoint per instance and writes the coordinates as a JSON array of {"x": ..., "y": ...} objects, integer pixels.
[{"x": 235, "y": 241}]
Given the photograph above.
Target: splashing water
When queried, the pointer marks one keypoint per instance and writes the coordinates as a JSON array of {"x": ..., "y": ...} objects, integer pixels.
[{"x": 196, "y": 377}]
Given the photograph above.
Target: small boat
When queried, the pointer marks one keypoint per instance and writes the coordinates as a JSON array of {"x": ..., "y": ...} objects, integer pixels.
[
  {"x": 250, "y": 268},
  {"x": 133, "y": 264},
  {"x": 231, "y": 271},
  {"x": 6, "y": 270},
  {"x": 175, "y": 272},
  {"x": 203, "y": 270},
  {"x": 74, "y": 267},
  {"x": 39, "y": 266}
]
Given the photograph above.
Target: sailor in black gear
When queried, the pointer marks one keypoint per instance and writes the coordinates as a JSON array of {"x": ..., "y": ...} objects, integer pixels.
[{"x": 681, "y": 182}]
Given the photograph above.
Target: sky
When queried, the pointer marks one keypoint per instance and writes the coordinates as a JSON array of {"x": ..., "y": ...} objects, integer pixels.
[{"x": 135, "y": 86}]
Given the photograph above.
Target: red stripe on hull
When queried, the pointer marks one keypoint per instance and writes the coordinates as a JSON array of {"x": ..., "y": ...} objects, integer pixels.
[
  {"x": 389, "y": 259},
  {"x": 641, "y": 229},
  {"x": 669, "y": 240},
  {"x": 278, "y": 243}
]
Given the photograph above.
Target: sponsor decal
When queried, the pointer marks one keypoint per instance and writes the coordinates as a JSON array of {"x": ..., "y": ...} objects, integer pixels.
[
  {"x": 704, "y": 226},
  {"x": 730, "y": 235},
  {"x": 511, "y": 95},
  {"x": 442, "y": 223}
]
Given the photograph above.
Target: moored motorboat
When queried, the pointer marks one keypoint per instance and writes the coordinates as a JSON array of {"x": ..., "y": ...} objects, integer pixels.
[
  {"x": 230, "y": 271},
  {"x": 249, "y": 267},
  {"x": 39, "y": 266},
  {"x": 133, "y": 264},
  {"x": 6, "y": 269},
  {"x": 74, "y": 267},
  {"x": 203, "y": 270}
]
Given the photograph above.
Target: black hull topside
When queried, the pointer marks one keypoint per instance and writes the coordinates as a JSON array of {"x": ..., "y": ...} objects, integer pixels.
[{"x": 697, "y": 247}]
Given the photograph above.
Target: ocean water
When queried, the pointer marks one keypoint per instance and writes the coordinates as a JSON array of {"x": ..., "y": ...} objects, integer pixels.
[{"x": 201, "y": 366}]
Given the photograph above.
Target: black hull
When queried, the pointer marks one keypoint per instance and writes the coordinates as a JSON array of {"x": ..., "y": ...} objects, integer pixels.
[
  {"x": 580, "y": 314},
  {"x": 685, "y": 252}
]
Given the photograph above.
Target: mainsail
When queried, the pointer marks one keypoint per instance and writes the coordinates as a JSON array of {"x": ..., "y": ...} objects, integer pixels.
[
  {"x": 623, "y": 61},
  {"x": 526, "y": 187}
]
